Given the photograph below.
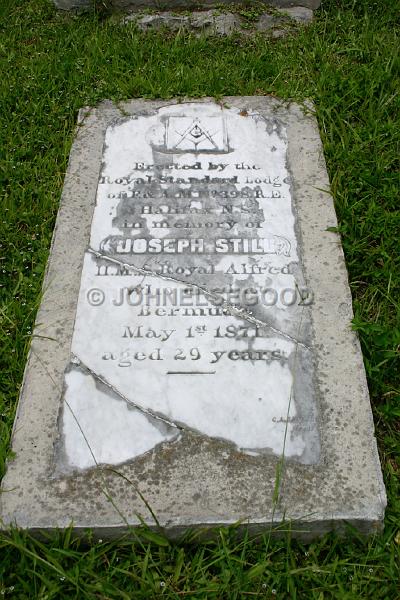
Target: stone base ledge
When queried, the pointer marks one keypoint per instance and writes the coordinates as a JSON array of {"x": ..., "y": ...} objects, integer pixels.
[
  {"x": 276, "y": 23},
  {"x": 167, "y": 5}
]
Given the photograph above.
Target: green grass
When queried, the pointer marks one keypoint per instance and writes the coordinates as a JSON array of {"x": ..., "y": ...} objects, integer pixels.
[{"x": 348, "y": 63}]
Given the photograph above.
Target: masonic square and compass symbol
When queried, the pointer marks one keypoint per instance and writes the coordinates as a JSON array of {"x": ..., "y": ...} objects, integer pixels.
[
  {"x": 188, "y": 134},
  {"x": 196, "y": 134}
]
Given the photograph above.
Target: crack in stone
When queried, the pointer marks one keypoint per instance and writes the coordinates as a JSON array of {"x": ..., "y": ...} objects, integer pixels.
[
  {"x": 146, "y": 411},
  {"x": 75, "y": 360},
  {"x": 226, "y": 307}
]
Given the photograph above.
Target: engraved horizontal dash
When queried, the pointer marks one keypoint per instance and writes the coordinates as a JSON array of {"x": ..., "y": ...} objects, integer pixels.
[{"x": 190, "y": 372}]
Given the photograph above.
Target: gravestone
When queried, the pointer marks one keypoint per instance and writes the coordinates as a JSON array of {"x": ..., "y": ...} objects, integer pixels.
[{"x": 193, "y": 351}]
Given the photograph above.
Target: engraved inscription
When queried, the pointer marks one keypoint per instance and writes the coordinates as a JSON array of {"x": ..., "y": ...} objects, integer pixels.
[{"x": 193, "y": 312}]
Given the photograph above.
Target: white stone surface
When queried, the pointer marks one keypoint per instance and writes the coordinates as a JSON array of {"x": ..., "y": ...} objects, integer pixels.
[
  {"x": 101, "y": 429},
  {"x": 228, "y": 375}
]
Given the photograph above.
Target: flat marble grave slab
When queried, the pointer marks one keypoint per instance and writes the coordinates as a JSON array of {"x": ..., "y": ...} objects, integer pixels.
[{"x": 193, "y": 347}]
